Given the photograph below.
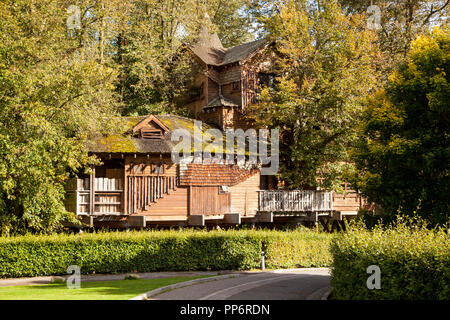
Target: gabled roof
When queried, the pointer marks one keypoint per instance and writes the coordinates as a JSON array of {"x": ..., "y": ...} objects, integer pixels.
[
  {"x": 147, "y": 121},
  {"x": 239, "y": 53},
  {"x": 221, "y": 101},
  {"x": 210, "y": 56},
  {"x": 208, "y": 40},
  {"x": 219, "y": 56}
]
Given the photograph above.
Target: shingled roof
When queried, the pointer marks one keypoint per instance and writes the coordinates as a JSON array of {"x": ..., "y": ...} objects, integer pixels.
[
  {"x": 221, "y": 101},
  {"x": 220, "y": 56},
  {"x": 214, "y": 174},
  {"x": 210, "y": 50}
]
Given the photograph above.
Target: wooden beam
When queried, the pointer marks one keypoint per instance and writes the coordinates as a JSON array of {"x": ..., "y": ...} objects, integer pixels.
[
  {"x": 196, "y": 220},
  {"x": 190, "y": 201},
  {"x": 325, "y": 223},
  {"x": 137, "y": 221},
  {"x": 265, "y": 217},
  {"x": 92, "y": 191},
  {"x": 87, "y": 220},
  {"x": 232, "y": 218}
]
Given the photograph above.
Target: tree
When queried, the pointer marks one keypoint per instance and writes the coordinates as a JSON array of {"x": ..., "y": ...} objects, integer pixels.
[
  {"x": 401, "y": 21},
  {"x": 58, "y": 87},
  {"x": 403, "y": 156},
  {"x": 153, "y": 70},
  {"x": 55, "y": 92},
  {"x": 326, "y": 69}
]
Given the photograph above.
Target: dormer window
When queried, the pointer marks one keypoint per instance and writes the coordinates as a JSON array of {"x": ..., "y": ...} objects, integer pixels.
[
  {"x": 150, "y": 128},
  {"x": 147, "y": 133}
]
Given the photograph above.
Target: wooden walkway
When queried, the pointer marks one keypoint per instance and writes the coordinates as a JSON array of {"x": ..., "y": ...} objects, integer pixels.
[
  {"x": 295, "y": 201},
  {"x": 313, "y": 206}
]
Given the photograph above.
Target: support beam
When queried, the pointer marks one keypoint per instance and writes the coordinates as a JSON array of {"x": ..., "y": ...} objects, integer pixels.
[
  {"x": 325, "y": 223},
  {"x": 92, "y": 191},
  {"x": 232, "y": 218},
  {"x": 196, "y": 220},
  {"x": 87, "y": 220},
  {"x": 137, "y": 221},
  {"x": 335, "y": 226},
  {"x": 190, "y": 201},
  {"x": 265, "y": 217}
]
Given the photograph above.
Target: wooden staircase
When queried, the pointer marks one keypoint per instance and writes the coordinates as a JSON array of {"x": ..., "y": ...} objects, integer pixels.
[
  {"x": 169, "y": 207},
  {"x": 156, "y": 196},
  {"x": 144, "y": 191}
]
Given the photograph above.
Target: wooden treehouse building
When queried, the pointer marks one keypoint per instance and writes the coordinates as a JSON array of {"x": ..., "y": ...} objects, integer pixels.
[{"x": 139, "y": 185}]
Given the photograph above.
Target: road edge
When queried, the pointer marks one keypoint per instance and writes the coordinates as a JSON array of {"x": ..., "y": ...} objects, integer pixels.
[{"x": 152, "y": 293}]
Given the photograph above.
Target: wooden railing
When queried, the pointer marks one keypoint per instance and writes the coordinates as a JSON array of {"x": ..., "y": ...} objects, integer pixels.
[
  {"x": 144, "y": 190},
  {"x": 104, "y": 198},
  {"x": 295, "y": 201}
]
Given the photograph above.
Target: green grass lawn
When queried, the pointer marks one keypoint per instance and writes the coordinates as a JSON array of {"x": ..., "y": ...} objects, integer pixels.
[{"x": 104, "y": 290}]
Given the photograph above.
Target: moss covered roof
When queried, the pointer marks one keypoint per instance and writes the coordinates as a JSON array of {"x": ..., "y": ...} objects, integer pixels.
[{"x": 124, "y": 142}]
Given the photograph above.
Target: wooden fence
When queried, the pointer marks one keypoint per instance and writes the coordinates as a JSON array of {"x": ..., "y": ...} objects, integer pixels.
[
  {"x": 208, "y": 201},
  {"x": 295, "y": 201}
]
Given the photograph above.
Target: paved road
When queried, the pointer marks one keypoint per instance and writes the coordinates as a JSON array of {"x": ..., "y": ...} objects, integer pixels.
[{"x": 309, "y": 284}]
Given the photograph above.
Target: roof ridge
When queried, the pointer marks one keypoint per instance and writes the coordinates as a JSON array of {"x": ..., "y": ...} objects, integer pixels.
[{"x": 245, "y": 43}]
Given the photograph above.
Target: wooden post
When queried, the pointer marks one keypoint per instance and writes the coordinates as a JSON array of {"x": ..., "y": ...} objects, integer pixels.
[
  {"x": 92, "y": 192},
  {"x": 316, "y": 221},
  {"x": 190, "y": 201},
  {"x": 125, "y": 190},
  {"x": 246, "y": 203}
]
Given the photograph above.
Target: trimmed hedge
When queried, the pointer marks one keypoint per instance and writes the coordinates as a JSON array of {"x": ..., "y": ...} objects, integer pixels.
[
  {"x": 148, "y": 251},
  {"x": 414, "y": 263}
]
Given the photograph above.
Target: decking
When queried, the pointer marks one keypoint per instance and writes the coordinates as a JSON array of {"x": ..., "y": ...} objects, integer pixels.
[
  {"x": 105, "y": 197},
  {"x": 295, "y": 201},
  {"x": 314, "y": 206}
]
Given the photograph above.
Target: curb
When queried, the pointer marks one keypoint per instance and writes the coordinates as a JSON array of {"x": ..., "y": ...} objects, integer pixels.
[
  {"x": 149, "y": 294},
  {"x": 105, "y": 277},
  {"x": 299, "y": 270},
  {"x": 326, "y": 295}
]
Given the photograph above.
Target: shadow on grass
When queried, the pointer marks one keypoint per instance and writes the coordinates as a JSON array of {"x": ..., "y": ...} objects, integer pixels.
[{"x": 106, "y": 290}]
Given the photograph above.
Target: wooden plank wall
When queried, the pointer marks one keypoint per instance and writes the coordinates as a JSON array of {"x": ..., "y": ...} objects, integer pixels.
[
  {"x": 244, "y": 196},
  {"x": 196, "y": 106},
  {"x": 170, "y": 169},
  {"x": 348, "y": 203},
  {"x": 208, "y": 201}
]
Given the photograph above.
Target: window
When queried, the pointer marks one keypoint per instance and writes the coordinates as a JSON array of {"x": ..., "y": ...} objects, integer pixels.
[
  {"x": 236, "y": 86},
  {"x": 196, "y": 93},
  {"x": 147, "y": 133},
  {"x": 158, "y": 168},
  {"x": 266, "y": 79},
  {"x": 137, "y": 168}
]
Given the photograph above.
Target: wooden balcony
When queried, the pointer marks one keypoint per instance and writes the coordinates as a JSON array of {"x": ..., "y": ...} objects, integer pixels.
[
  {"x": 295, "y": 201},
  {"x": 109, "y": 196},
  {"x": 99, "y": 196}
]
